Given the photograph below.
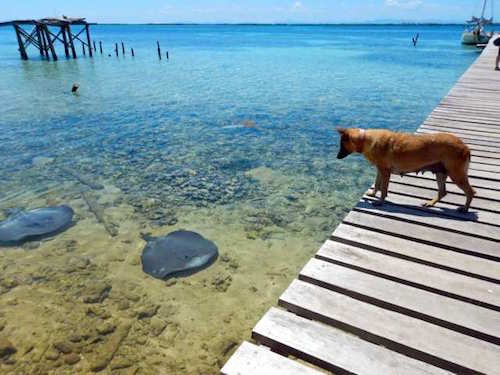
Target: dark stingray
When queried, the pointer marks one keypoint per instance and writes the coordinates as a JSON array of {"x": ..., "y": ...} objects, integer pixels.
[
  {"x": 180, "y": 253},
  {"x": 35, "y": 224}
]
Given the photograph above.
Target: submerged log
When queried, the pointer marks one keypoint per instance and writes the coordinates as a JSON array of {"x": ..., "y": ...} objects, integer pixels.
[{"x": 98, "y": 212}]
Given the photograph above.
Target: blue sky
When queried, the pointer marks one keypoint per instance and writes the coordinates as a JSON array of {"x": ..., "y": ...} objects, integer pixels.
[{"x": 260, "y": 11}]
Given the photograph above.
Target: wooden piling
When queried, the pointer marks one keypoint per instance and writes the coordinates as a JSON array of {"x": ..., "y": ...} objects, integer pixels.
[
  {"x": 116, "y": 49},
  {"x": 22, "y": 50},
  {"x": 100, "y": 47},
  {"x": 167, "y": 55},
  {"x": 123, "y": 48},
  {"x": 44, "y": 42},
  {"x": 45, "y": 30},
  {"x": 132, "y": 52},
  {"x": 65, "y": 41},
  {"x": 39, "y": 37},
  {"x": 83, "y": 48},
  {"x": 93, "y": 43},
  {"x": 159, "y": 49},
  {"x": 88, "y": 39},
  {"x": 71, "y": 44}
]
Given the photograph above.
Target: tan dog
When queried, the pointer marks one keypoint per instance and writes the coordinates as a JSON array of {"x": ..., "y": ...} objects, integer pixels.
[{"x": 441, "y": 153}]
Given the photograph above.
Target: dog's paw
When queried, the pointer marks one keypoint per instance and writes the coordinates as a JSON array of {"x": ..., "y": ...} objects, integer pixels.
[
  {"x": 372, "y": 193},
  {"x": 428, "y": 204}
]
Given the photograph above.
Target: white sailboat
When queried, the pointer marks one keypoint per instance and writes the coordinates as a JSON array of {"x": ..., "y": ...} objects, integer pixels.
[{"x": 474, "y": 32}]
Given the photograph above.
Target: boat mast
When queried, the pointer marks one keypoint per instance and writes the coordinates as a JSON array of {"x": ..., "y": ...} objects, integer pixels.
[{"x": 484, "y": 9}]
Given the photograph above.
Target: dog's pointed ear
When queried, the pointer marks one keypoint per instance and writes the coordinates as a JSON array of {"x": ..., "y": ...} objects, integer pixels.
[{"x": 344, "y": 133}]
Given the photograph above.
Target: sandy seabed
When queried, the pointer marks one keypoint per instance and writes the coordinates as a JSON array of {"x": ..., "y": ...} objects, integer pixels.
[{"x": 79, "y": 302}]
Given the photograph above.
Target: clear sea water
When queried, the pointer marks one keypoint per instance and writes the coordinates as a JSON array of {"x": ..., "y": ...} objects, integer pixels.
[{"x": 234, "y": 135}]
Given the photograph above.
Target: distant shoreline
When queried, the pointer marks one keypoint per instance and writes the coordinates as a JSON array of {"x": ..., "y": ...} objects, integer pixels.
[
  {"x": 291, "y": 24},
  {"x": 7, "y": 23}
]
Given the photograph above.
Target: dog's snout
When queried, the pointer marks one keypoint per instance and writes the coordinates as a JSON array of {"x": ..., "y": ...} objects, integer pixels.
[{"x": 342, "y": 153}]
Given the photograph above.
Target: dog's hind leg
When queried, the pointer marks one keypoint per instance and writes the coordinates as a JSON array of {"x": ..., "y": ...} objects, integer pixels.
[
  {"x": 462, "y": 181},
  {"x": 441, "y": 182},
  {"x": 464, "y": 184},
  {"x": 385, "y": 176},
  {"x": 376, "y": 186}
]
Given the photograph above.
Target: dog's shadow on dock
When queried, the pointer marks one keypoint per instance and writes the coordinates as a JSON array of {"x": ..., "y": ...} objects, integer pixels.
[{"x": 407, "y": 210}]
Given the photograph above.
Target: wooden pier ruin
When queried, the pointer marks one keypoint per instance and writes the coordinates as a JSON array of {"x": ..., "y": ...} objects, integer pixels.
[
  {"x": 402, "y": 289},
  {"x": 45, "y": 33}
]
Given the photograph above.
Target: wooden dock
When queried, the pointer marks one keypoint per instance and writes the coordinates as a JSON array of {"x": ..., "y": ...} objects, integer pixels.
[{"x": 402, "y": 289}]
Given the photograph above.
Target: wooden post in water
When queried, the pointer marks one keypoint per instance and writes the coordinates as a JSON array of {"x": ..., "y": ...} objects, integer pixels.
[
  {"x": 71, "y": 44},
  {"x": 22, "y": 50},
  {"x": 39, "y": 37},
  {"x": 123, "y": 48},
  {"x": 132, "y": 52},
  {"x": 65, "y": 41},
  {"x": 116, "y": 49},
  {"x": 100, "y": 46},
  {"x": 44, "y": 42},
  {"x": 167, "y": 55},
  {"x": 83, "y": 48},
  {"x": 49, "y": 41},
  {"x": 88, "y": 40},
  {"x": 159, "y": 49},
  {"x": 93, "y": 43}
]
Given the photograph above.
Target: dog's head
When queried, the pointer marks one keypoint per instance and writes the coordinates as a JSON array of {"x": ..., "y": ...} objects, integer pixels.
[{"x": 351, "y": 140}]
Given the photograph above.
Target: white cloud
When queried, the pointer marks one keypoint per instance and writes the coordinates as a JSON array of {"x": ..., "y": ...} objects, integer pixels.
[
  {"x": 404, "y": 4},
  {"x": 296, "y": 6}
]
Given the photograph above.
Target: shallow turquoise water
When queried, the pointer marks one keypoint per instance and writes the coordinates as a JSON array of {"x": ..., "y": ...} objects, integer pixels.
[{"x": 230, "y": 99}]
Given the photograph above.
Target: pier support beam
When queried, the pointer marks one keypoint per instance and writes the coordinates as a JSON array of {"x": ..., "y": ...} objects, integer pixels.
[
  {"x": 65, "y": 41},
  {"x": 88, "y": 39},
  {"x": 39, "y": 38},
  {"x": 71, "y": 44},
  {"x": 20, "y": 42},
  {"x": 49, "y": 41}
]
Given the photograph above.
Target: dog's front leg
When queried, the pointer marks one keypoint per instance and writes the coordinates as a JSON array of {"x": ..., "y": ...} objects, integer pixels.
[
  {"x": 385, "y": 176},
  {"x": 376, "y": 186}
]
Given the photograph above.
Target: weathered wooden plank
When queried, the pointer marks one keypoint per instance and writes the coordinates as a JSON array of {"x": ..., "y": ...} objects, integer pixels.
[
  {"x": 453, "y": 104},
  {"x": 463, "y": 103},
  {"x": 332, "y": 348},
  {"x": 485, "y": 160},
  {"x": 414, "y": 215},
  {"x": 470, "y": 119},
  {"x": 484, "y": 167},
  {"x": 475, "y": 182},
  {"x": 466, "y": 111},
  {"x": 493, "y": 156},
  {"x": 470, "y": 131},
  {"x": 442, "y": 209},
  {"x": 437, "y": 112},
  {"x": 457, "y": 122},
  {"x": 418, "y": 252},
  {"x": 430, "y": 183},
  {"x": 252, "y": 359},
  {"x": 424, "y": 194},
  {"x": 471, "y": 141},
  {"x": 428, "y": 235},
  {"x": 415, "y": 338},
  {"x": 481, "y": 130},
  {"x": 439, "y": 281}
]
